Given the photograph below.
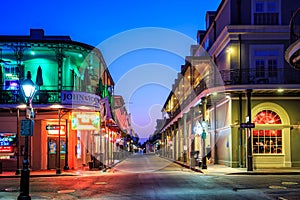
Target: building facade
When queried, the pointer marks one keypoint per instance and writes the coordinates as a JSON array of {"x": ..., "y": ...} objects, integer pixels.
[
  {"x": 73, "y": 100},
  {"x": 236, "y": 99}
]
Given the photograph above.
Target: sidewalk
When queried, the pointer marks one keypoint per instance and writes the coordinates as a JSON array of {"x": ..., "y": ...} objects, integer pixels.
[
  {"x": 216, "y": 169},
  {"x": 82, "y": 171}
]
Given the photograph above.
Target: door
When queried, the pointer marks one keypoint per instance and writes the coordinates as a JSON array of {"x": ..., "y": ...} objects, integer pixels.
[{"x": 53, "y": 152}]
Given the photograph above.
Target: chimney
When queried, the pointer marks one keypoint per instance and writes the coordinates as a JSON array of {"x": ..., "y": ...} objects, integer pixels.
[{"x": 37, "y": 34}]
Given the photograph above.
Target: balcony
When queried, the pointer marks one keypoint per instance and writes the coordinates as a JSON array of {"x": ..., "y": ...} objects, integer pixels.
[
  {"x": 42, "y": 97},
  {"x": 253, "y": 76},
  {"x": 266, "y": 18},
  {"x": 282, "y": 76}
]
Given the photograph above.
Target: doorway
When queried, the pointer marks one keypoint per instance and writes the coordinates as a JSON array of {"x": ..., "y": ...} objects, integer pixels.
[{"x": 53, "y": 152}]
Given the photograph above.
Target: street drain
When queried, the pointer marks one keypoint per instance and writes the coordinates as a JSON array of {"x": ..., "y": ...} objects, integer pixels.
[
  {"x": 65, "y": 191},
  {"x": 100, "y": 183},
  {"x": 276, "y": 187},
  {"x": 289, "y": 183}
]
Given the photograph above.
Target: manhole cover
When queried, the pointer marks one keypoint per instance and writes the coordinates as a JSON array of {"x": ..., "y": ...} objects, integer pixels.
[
  {"x": 289, "y": 183},
  {"x": 276, "y": 187},
  {"x": 100, "y": 183},
  {"x": 65, "y": 191}
]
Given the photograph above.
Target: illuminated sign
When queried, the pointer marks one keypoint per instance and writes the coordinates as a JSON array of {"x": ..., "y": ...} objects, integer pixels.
[
  {"x": 85, "y": 121},
  {"x": 53, "y": 129},
  {"x": 7, "y": 141},
  {"x": 6, "y": 149},
  {"x": 80, "y": 98}
]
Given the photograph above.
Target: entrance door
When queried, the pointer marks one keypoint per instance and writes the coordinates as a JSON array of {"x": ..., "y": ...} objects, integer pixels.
[{"x": 53, "y": 152}]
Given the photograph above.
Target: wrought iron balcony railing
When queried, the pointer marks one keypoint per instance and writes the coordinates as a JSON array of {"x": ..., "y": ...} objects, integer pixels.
[
  {"x": 266, "y": 18},
  {"x": 240, "y": 77},
  {"x": 42, "y": 97}
]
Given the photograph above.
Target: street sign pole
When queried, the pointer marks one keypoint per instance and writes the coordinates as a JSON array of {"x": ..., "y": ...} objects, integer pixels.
[{"x": 26, "y": 130}]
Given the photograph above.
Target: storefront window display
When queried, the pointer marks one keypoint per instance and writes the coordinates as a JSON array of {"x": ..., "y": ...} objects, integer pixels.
[
  {"x": 267, "y": 141},
  {"x": 8, "y": 142}
]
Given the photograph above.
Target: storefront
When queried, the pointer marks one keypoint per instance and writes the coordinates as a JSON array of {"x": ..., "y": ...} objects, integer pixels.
[
  {"x": 271, "y": 136},
  {"x": 72, "y": 79},
  {"x": 8, "y": 143},
  {"x": 8, "y": 150}
]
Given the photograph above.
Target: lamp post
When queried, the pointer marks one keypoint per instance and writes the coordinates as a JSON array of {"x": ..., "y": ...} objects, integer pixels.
[{"x": 28, "y": 89}]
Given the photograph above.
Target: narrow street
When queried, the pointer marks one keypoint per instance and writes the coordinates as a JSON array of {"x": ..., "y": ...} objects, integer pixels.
[{"x": 152, "y": 177}]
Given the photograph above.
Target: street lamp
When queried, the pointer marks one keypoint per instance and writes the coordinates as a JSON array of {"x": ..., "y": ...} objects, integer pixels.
[{"x": 28, "y": 89}]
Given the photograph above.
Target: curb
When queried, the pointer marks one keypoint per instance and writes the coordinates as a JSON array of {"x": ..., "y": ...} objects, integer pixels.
[
  {"x": 188, "y": 167},
  {"x": 239, "y": 173},
  {"x": 37, "y": 175},
  {"x": 263, "y": 173},
  {"x": 184, "y": 165}
]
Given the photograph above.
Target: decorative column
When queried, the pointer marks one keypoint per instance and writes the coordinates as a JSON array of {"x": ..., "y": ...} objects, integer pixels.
[
  {"x": 203, "y": 136},
  {"x": 59, "y": 58},
  {"x": 192, "y": 137},
  {"x": 179, "y": 139},
  {"x": 240, "y": 131},
  {"x": 184, "y": 138},
  {"x": 249, "y": 140},
  {"x": 174, "y": 141}
]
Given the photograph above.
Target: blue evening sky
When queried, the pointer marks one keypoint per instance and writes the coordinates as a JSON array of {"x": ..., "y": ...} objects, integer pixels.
[{"x": 144, "y": 42}]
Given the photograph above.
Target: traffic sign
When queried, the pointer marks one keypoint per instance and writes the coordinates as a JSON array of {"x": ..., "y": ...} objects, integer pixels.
[
  {"x": 247, "y": 125},
  {"x": 27, "y": 127}
]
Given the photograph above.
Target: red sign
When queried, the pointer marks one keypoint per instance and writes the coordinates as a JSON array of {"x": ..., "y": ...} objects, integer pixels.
[{"x": 6, "y": 149}]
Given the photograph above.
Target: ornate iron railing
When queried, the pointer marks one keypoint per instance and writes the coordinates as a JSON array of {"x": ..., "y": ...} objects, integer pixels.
[{"x": 240, "y": 77}]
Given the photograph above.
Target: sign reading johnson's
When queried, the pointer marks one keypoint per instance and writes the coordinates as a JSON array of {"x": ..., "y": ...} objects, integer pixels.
[{"x": 80, "y": 98}]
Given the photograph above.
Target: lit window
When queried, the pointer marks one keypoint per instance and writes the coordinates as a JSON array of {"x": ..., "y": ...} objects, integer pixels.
[{"x": 267, "y": 141}]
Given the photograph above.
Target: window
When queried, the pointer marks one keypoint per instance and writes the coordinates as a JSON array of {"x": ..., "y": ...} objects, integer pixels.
[
  {"x": 259, "y": 7},
  {"x": 266, "y": 12},
  {"x": 272, "y": 67},
  {"x": 260, "y": 68},
  {"x": 267, "y": 141},
  {"x": 206, "y": 44},
  {"x": 266, "y": 61},
  {"x": 266, "y": 64},
  {"x": 272, "y": 7}
]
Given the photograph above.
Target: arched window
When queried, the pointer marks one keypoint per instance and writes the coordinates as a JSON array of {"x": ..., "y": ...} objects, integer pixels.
[{"x": 267, "y": 141}]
